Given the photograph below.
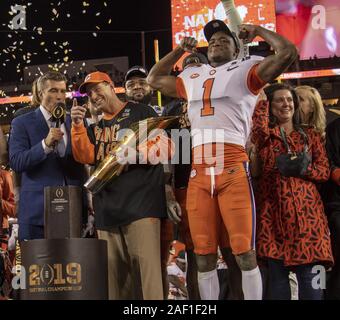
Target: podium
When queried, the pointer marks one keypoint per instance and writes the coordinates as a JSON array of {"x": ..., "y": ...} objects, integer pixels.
[
  {"x": 65, "y": 269},
  {"x": 64, "y": 266}
]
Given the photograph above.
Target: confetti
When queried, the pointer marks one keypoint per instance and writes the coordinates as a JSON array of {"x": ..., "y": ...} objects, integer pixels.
[{"x": 48, "y": 49}]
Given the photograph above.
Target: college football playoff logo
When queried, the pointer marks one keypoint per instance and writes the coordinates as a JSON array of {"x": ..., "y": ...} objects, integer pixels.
[{"x": 59, "y": 193}]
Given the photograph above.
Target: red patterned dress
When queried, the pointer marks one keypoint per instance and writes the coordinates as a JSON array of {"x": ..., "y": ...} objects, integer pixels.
[{"x": 291, "y": 223}]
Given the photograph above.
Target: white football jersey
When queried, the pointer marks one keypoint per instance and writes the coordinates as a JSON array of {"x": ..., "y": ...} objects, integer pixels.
[{"x": 220, "y": 103}]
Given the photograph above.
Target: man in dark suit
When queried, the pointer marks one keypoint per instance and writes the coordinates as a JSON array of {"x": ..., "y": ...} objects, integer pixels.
[{"x": 41, "y": 151}]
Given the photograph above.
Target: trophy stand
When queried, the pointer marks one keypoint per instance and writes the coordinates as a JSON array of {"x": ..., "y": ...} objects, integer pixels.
[
  {"x": 63, "y": 211},
  {"x": 64, "y": 266}
]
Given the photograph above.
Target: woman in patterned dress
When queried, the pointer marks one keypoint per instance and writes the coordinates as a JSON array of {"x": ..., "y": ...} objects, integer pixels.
[{"x": 292, "y": 229}]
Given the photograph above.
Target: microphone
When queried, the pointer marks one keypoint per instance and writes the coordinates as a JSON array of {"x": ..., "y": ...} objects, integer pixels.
[{"x": 58, "y": 114}]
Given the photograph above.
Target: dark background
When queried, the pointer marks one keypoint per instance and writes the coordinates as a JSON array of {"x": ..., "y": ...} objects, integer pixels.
[{"x": 120, "y": 38}]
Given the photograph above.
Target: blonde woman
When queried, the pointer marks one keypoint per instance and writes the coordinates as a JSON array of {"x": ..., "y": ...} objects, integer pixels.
[
  {"x": 312, "y": 111},
  {"x": 35, "y": 102}
]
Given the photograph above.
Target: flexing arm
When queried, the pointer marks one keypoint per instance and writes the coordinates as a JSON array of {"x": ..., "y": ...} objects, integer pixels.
[
  {"x": 159, "y": 77},
  {"x": 285, "y": 52}
]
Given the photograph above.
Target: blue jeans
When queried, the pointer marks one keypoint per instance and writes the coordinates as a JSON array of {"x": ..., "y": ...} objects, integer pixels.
[{"x": 279, "y": 288}]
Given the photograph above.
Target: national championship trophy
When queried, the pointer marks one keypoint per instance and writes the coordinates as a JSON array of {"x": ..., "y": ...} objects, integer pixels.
[{"x": 139, "y": 133}]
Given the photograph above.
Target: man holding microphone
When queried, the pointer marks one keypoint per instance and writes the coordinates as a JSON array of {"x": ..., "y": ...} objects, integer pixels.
[{"x": 42, "y": 153}]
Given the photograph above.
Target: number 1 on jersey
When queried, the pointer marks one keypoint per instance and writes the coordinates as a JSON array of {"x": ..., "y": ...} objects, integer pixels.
[{"x": 207, "y": 109}]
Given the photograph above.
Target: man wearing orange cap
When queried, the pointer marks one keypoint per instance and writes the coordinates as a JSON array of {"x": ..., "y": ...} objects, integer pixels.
[{"x": 129, "y": 208}]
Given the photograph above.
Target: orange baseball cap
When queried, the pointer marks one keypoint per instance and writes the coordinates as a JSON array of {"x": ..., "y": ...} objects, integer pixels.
[{"x": 94, "y": 77}]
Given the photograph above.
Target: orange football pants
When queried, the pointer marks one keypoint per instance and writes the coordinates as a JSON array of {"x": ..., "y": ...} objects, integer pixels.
[{"x": 221, "y": 209}]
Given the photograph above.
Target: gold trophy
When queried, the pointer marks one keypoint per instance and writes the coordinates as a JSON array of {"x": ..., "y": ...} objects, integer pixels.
[{"x": 139, "y": 132}]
